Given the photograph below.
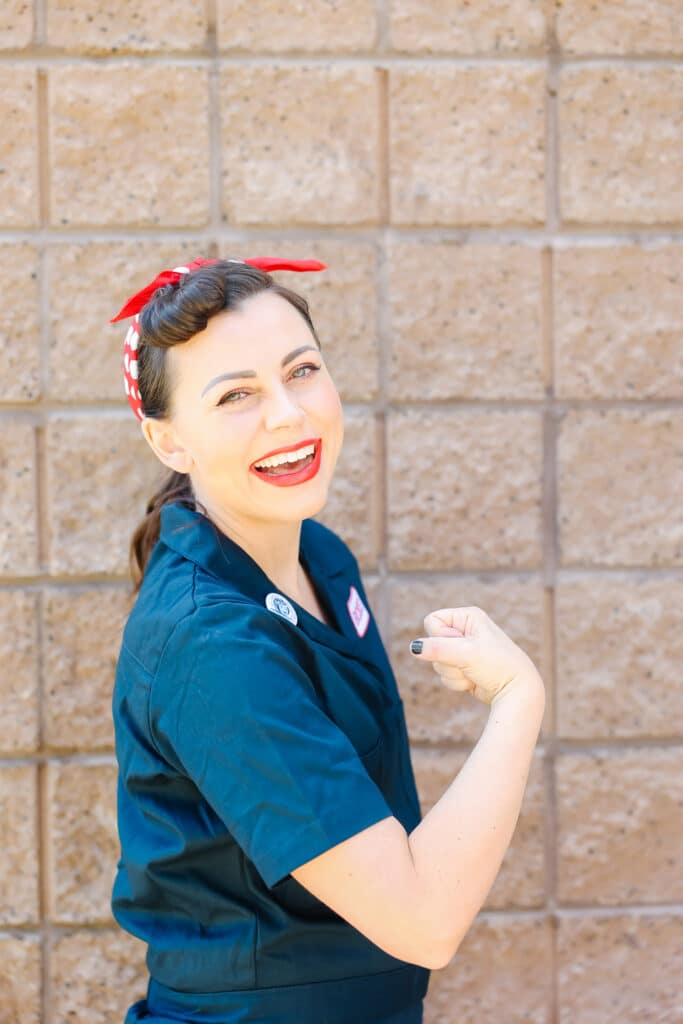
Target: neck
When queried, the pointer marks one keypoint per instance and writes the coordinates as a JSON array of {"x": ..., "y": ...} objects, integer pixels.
[{"x": 274, "y": 546}]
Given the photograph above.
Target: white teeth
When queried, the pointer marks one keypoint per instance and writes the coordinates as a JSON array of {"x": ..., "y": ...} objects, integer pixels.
[{"x": 279, "y": 460}]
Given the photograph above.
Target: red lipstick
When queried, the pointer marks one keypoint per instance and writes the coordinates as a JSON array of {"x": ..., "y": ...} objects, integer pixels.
[{"x": 288, "y": 479}]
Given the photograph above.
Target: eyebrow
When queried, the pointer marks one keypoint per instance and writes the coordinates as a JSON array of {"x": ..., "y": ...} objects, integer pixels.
[{"x": 252, "y": 373}]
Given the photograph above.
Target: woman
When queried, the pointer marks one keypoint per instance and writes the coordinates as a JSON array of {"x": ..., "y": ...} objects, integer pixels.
[{"x": 273, "y": 855}]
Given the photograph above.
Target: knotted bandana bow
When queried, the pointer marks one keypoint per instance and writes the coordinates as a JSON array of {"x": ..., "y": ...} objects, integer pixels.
[{"x": 136, "y": 302}]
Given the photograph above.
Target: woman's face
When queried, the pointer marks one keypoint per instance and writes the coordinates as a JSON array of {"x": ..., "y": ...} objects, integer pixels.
[{"x": 234, "y": 402}]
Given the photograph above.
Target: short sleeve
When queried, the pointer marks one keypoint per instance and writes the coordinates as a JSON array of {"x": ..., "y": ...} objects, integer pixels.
[{"x": 244, "y": 721}]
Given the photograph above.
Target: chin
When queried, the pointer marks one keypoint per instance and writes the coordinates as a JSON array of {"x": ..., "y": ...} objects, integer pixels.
[
  {"x": 317, "y": 506},
  {"x": 305, "y": 508},
  {"x": 312, "y": 505}
]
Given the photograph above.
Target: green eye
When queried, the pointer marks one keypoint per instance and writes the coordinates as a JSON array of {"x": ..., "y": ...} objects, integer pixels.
[{"x": 227, "y": 399}]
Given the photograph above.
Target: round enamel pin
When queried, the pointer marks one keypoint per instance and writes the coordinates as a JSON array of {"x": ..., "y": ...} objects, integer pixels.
[{"x": 281, "y": 606}]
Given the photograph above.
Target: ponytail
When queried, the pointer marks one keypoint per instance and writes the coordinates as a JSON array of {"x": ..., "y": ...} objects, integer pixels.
[{"x": 176, "y": 487}]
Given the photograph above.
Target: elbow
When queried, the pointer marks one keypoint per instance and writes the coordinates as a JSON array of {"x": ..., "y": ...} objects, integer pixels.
[
  {"x": 423, "y": 951},
  {"x": 430, "y": 947},
  {"x": 439, "y": 949},
  {"x": 438, "y": 959},
  {"x": 436, "y": 955},
  {"x": 438, "y": 945}
]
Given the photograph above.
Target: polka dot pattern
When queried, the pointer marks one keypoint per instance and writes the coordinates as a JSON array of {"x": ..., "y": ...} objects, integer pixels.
[{"x": 130, "y": 367}]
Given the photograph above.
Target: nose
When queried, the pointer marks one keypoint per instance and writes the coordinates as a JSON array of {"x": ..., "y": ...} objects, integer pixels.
[{"x": 282, "y": 410}]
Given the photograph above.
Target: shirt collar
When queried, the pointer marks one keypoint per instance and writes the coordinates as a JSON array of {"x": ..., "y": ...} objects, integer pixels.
[
  {"x": 329, "y": 563},
  {"x": 194, "y": 536}
]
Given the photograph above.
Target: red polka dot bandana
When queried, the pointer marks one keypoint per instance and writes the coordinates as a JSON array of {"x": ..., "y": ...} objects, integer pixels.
[{"x": 135, "y": 303}]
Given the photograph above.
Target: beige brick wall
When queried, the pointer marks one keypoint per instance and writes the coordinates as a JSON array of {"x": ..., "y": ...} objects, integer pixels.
[{"x": 497, "y": 190}]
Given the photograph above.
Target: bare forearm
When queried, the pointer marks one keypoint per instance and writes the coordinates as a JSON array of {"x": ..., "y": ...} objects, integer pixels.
[{"x": 459, "y": 845}]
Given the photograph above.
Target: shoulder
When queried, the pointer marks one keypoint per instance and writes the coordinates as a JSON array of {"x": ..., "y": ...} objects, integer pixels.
[
  {"x": 222, "y": 633},
  {"x": 181, "y": 607},
  {"x": 229, "y": 663},
  {"x": 223, "y": 625},
  {"x": 166, "y": 596}
]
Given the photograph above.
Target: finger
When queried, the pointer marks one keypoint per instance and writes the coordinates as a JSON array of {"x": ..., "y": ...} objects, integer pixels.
[
  {"x": 450, "y": 673},
  {"x": 460, "y": 619},
  {"x": 442, "y": 619},
  {"x": 485, "y": 696},
  {"x": 459, "y": 685}
]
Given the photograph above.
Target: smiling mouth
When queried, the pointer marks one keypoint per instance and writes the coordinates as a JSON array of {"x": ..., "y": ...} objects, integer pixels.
[
  {"x": 286, "y": 467},
  {"x": 289, "y": 468}
]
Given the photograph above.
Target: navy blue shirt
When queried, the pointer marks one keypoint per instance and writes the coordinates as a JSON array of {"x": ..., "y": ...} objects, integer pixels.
[{"x": 251, "y": 737}]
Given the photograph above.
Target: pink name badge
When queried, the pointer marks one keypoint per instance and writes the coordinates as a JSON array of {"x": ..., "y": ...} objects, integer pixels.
[{"x": 360, "y": 616}]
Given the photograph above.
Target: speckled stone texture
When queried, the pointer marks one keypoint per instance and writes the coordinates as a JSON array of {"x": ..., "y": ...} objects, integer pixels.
[
  {"x": 469, "y": 500},
  {"x": 619, "y": 651},
  {"x": 617, "y": 320},
  {"x": 106, "y": 133},
  {"x": 19, "y": 323},
  {"x": 18, "y": 519},
  {"x": 331, "y": 26},
  {"x": 20, "y": 978},
  {"x": 318, "y": 126},
  {"x": 19, "y": 900},
  {"x": 19, "y": 696},
  {"x": 100, "y": 474},
  {"x": 82, "y": 630},
  {"x": 19, "y": 118},
  {"x": 16, "y": 24},
  {"x": 620, "y": 27},
  {"x": 621, "y": 135},
  {"x": 91, "y": 27},
  {"x": 502, "y": 971},
  {"x": 352, "y": 509},
  {"x": 96, "y": 975},
  {"x": 640, "y": 960},
  {"x": 603, "y": 519},
  {"x": 84, "y": 844},
  {"x": 616, "y": 809},
  {"x": 456, "y": 160},
  {"x": 465, "y": 321},
  {"x": 459, "y": 26}
]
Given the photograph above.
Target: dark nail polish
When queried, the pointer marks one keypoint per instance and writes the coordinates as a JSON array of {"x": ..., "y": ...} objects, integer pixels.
[{"x": 416, "y": 646}]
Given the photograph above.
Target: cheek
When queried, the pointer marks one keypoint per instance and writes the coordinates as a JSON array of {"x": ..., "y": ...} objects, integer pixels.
[
  {"x": 331, "y": 413},
  {"x": 217, "y": 441},
  {"x": 328, "y": 399}
]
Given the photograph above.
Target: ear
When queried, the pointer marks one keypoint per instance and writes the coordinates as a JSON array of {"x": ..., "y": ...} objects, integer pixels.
[{"x": 162, "y": 439}]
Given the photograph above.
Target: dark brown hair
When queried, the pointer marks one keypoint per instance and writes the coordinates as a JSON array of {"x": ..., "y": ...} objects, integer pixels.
[{"x": 172, "y": 316}]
